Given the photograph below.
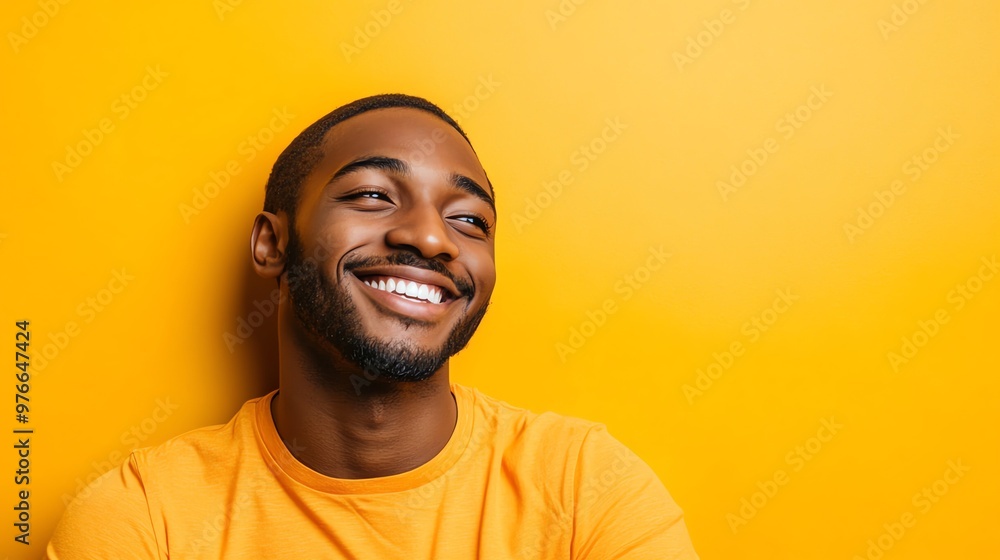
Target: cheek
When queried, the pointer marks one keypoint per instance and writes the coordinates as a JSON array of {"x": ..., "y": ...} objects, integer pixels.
[
  {"x": 337, "y": 237},
  {"x": 483, "y": 269}
]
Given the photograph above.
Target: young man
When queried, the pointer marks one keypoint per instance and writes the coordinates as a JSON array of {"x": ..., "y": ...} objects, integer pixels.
[{"x": 379, "y": 226}]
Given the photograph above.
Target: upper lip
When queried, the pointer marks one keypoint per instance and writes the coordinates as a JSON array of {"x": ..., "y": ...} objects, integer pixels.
[{"x": 419, "y": 275}]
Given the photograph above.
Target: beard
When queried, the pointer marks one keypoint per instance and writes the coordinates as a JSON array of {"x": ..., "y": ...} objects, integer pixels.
[{"x": 328, "y": 312}]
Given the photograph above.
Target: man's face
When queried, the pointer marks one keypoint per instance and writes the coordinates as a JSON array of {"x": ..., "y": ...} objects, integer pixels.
[{"x": 391, "y": 260}]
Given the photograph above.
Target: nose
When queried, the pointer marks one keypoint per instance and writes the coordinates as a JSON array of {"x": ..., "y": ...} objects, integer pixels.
[{"x": 423, "y": 231}]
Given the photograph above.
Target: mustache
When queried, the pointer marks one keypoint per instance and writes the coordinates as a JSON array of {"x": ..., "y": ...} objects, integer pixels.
[{"x": 465, "y": 288}]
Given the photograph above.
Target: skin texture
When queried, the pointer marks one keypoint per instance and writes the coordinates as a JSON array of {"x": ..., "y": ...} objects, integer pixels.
[{"x": 338, "y": 416}]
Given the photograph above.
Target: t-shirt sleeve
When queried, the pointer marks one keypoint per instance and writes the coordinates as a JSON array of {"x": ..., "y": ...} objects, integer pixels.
[
  {"x": 622, "y": 509},
  {"x": 108, "y": 519}
]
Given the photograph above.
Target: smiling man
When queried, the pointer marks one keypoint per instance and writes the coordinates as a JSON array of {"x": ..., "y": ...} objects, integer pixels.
[{"x": 379, "y": 226}]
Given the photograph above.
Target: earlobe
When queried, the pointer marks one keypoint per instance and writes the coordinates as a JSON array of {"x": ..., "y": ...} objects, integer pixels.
[{"x": 267, "y": 244}]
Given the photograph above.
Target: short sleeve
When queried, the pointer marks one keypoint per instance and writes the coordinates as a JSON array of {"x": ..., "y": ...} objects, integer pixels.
[
  {"x": 108, "y": 519},
  {"x": 622, "y": 509}
]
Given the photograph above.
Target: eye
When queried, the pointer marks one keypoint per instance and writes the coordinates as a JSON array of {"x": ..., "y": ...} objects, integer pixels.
[
  {"x": 367, "y": 198},
  {"x": 476, "y": 220},
  {"x": 367, "y": 192}
]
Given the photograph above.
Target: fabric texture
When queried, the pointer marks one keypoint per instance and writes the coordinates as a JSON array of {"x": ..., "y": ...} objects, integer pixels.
[{"x": 509, "y": 484}]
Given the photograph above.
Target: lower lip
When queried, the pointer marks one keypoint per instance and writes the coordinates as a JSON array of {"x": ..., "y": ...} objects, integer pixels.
[{"x": 398, "y": 304}]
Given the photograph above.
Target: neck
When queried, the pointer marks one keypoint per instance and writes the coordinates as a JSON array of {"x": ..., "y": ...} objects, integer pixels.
[{"x": 344, "y": 424}]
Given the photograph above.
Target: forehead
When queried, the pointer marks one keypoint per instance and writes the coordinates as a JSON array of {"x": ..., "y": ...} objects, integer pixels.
[{"x": 412, "y": 135}]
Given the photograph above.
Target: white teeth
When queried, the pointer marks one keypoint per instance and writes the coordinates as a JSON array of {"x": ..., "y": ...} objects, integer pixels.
[{"x": 428, "y": 293}]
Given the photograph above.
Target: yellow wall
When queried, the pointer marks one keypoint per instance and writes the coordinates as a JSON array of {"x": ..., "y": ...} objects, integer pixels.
[{"x": 867, "y": 207}]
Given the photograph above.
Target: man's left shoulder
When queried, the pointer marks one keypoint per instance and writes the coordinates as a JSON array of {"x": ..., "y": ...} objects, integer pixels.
[
  {"x": 619, "y": 506},
  {"x": 550, "y": 440},
  {"x": 524, "y": 427}
]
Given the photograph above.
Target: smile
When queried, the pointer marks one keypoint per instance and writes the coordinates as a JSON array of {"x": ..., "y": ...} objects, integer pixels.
[{"x": 407, "y": 289}]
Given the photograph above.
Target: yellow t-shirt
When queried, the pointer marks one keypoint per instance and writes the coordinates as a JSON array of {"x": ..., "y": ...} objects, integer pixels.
[{"x": 508, "y": 484}]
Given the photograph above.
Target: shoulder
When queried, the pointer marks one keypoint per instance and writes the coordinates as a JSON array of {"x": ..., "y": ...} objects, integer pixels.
[
  {"x": 117, "y": 512},
  {"x": 520, "y": 430},
  {"x": 618, "y": 504},
  {"x": 548, "y": 441},
  {"x": 503, "y": 415},
  {"x": 111, "y": 514},
  {"x": 206, "y": 454}
]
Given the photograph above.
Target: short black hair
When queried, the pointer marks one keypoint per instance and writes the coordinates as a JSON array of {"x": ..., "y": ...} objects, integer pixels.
[{"x": 305, "y": 151}]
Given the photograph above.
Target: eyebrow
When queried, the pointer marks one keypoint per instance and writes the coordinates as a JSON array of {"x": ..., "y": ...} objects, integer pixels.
[
  {"x": 468, "y": 185},
  {"x": 399, "y": 167},
  {"x": 379, "y": 163}
]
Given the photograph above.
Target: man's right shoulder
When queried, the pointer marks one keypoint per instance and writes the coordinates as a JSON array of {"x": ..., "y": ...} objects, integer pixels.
[
  {"x": 204, "y": 455},
  {"x": 120, "y": 507}
]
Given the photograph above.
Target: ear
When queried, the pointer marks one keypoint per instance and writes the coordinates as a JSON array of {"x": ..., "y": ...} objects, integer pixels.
[{"x": 267, "y": 244}]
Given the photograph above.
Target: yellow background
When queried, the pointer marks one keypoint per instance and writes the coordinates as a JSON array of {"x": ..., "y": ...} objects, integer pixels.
[{"x": 893, "y": 81}]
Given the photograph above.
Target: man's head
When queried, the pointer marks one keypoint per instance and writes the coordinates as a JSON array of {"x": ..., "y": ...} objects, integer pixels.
[{"x": 382, "y": 192}]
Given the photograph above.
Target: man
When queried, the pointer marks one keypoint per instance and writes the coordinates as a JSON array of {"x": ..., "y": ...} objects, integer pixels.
[{"x": 379, "y": 227}]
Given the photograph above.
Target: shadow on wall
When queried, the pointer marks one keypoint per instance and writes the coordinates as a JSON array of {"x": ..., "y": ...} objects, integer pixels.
[{"x": 251, "y": 335}]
